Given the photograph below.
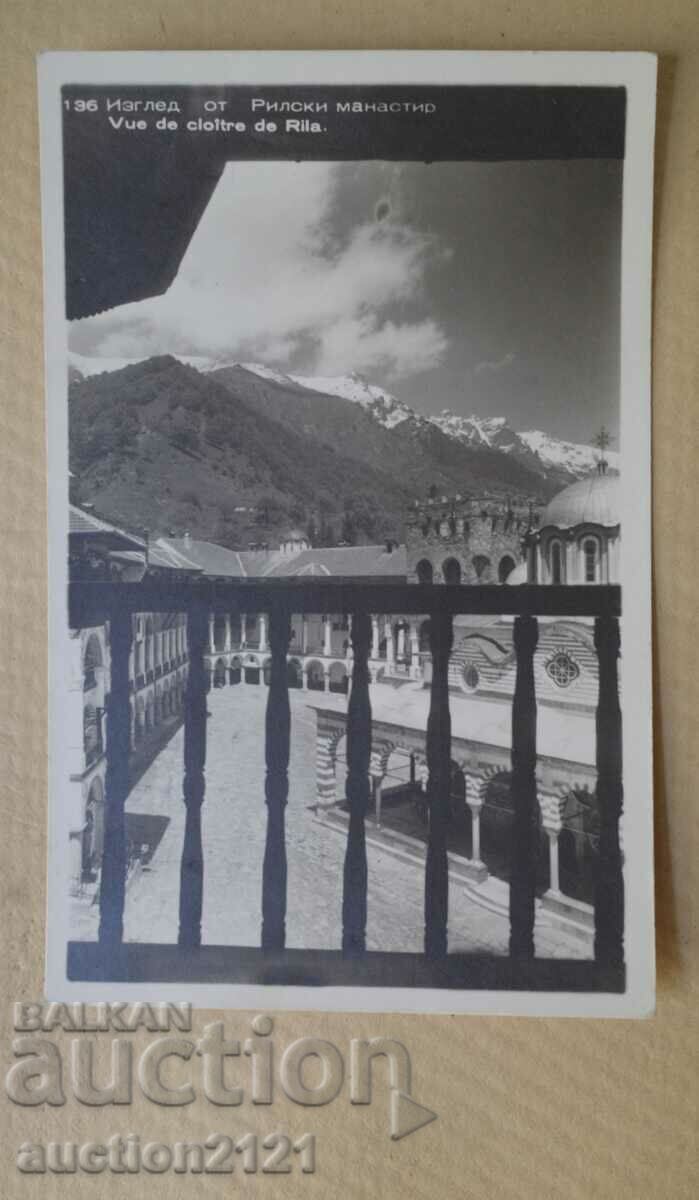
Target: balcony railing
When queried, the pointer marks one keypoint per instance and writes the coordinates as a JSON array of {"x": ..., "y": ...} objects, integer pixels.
[{"x": 109, "y": 958}]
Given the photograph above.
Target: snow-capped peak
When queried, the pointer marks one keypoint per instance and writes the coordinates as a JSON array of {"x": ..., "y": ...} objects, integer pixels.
[
  {"x": 540, "y": 451},
  {"x": 485, "y": 431},
  {"x": 574, "y": 457},
  {"x": 387, "y": 409}
]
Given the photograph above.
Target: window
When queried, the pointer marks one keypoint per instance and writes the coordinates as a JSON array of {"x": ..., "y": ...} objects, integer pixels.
[
  {"x": 481, "y": 565},
  {"x": 471, "y": 677},
  {"x": 562, "y": 669},
  {"x": 451, "y": 570},
  {"x": 590, "y": 560},
  {"x": 505, "y": 567},
  {"x": 424, "y": 571},
  {"x": 556, "y": 563}
]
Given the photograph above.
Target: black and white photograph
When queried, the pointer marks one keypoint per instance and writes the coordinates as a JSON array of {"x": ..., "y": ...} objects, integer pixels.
[{"x": 348, "y": 370}]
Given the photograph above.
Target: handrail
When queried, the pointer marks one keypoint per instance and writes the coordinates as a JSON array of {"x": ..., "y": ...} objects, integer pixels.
[{"x": 92, "y": 603}]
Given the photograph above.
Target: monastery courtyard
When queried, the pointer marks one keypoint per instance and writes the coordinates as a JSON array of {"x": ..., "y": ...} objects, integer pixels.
[{"x": 233, "y": 833}]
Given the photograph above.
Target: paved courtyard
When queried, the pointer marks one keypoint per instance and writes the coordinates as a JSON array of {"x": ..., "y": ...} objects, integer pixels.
[{"x": 233, "y": 825}]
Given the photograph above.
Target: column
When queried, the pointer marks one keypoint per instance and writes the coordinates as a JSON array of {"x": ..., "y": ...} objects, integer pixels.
[
  {"x": 262, "y": 625},
  {"x": 227, "y": 643},
  {"x": 277, "y": 741},
  {"x": 552, "y": 805},
  {"x": 439, "y": 767},
  {"x": 192, "y": 864},
  {"x": 474, "y": 799},
  {"x": 327, "y": 637},
  {"x": 325, "y": 768},
  {"x": 376, "y": 784},
  {"x": 304, "y": 634},
  {"x": 388, "y": 634},
  {"x": 401, "y": 643},
  {"x": 116, "y": 784},
  {"x": 374, "y": 636},
  {"x": 524, "y": 829},
  {"x": 609, "y": 890},
  {"x": 243, "y": 629},
  {"x": 414, "y": 650},
  {"x": 212, "y": 639},
  {"x": 354, "y": 896}
]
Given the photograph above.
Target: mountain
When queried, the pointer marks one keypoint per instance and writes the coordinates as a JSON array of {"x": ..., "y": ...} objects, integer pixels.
[
  {"x": 540, "y": 452},
  {"x": 238, "y": 455},
  {"x": 554, "y": 460},
  {"x": 573, "y": 457}
]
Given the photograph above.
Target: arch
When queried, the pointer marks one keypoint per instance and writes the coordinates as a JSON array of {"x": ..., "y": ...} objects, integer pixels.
[
  {"x": 338, "y": 680},
  {"x": 92, "y": 662},
  {"x": 497, "y": 823},
  {"x": 251, "y": 669},
  {"x": 93, "y": 830},
  {"x": 150, "y": 712},
  {"x": 556, "y": 561},
  {"x": 315, "y": 676},
  {"x": 451, "y": 570},
  {"x": 481, "y": 565},
  {"x": 267, "y": 671},
  {"x": 497, "y": 820},
  {"x": 294, "y": 673},
  {"x": 148, "y": 643},
  {"x": 219, "y": 633},
  {"x": 424, "y": 571},
  {"x": 578, "y": 845},
  {"x": 459, "y": 815},
  {"x": 424, "y": 636},
  {"x": 505, "y": 567},
  {"x": 235, "y": 673},
  {"x": 139, "y": 726},
  {"x": 590, "y": 553},
  {"x": 166, "y": 701},
  {"x": 92, "y": 734},
  {"x": 219, "y": 679},
  {"x": 139, "y": 658}
]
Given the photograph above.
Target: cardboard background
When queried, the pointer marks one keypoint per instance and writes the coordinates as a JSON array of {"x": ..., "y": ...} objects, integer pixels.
[{"x": 527, "y": 1108}]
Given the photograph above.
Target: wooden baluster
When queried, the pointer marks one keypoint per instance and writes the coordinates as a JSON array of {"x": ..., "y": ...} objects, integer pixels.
[
  {"x": 277, "y": 734},
  {"x": 354, "y": 897},
  {"x": 524, "y": 801},
  {"x": 609, "y": 889},
  {"x": 192, "y": 864},
  {"x": 438, "y": 786},
  {"x": 113, "y": 875}
]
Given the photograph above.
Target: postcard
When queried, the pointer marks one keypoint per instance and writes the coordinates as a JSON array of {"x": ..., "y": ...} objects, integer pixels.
[{"x": 348, "y": 408}]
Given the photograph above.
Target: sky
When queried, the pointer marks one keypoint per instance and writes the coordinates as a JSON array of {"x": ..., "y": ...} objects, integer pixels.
[{"x": 486, "y": 288}]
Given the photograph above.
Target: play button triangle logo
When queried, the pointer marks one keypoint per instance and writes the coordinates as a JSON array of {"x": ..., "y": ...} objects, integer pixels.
[{"x": 407, "y": 1115}]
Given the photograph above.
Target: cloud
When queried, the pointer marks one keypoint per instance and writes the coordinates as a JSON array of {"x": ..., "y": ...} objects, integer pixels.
[
  {"x": 268, "y": 276},
  {"x": 499, "y": 365}
]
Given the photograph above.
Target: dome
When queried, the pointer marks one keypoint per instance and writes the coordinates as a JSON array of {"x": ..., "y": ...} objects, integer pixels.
[{"x": 590, "y": 501}]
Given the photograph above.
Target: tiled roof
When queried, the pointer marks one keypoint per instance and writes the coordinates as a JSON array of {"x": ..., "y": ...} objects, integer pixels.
[
  {"x": 162, "y": 554},
  {"x": 82, "y": 522},
  {"x": 210, "y": 558},
  {"x": 337, "y": 561},
  {"x": 345, "y": 561}
]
